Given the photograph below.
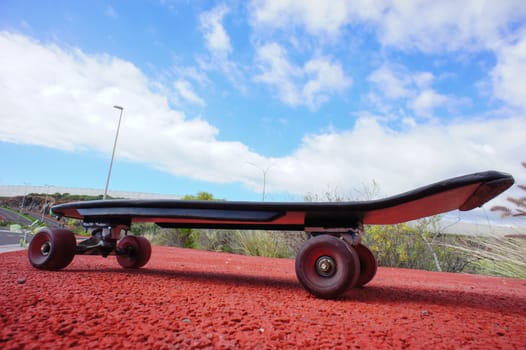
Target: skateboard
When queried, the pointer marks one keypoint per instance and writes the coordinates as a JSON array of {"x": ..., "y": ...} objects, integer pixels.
[{"x": 331, "y": 261}]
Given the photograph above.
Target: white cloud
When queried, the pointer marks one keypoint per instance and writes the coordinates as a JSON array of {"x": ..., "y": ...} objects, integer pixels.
[
  {"x": 215, "y": 35},
  {"x": 192, "y": 73},
  {"x": 426, "y": 101},
  {"x": 399, "y": 161},
  {"x": 391, "y": 81},
  {"x": 184, "y": 90},
  {"x": 324, "y": 77},
  {"x": 318, "y": 17},
  {"x": 427, "y": 26},
  {"x": 279, "y": 72},
  {"x": 219, "y": 46},
  {"x": 443, "y": 25},
  {"x": 396, "y": 83},
  {"x": 310, "y": 85},
  {"x": 509, "y": 74},
  {"x": 423, "y": 79},
  {"x": 63, "y": 99}
]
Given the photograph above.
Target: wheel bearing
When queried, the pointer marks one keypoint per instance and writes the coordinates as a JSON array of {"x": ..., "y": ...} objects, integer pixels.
[
  {"x": 325, "y": 266},
  {"x": 45, "y": 248}
]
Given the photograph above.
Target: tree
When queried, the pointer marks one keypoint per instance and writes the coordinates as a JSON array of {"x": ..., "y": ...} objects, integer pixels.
[{"x": 201, "y": 196}]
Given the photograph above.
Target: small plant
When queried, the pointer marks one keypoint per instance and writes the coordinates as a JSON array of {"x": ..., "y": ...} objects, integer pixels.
[
  {"x": 146, "y": 229},
  {"x": 420, "y": 245},
  {"x": 216, "y": 240},
  {"x": 4, "y": 223},
  {"x": 259, "y": 243},
  {"x": 518, "y": 202},
  {"x": 165, "y": 237},
  {"x": 494, "y": 255}
]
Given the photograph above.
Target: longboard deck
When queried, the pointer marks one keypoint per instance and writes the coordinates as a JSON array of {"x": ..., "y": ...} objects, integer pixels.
[{"x": 464, "y": 193}]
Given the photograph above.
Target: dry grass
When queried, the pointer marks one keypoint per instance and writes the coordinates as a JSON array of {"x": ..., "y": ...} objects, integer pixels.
[{"x": 496, "y": 255}]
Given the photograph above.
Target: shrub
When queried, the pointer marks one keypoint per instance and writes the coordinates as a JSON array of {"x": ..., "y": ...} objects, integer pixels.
[
  {"x": 147, "y": 229},
  {"x": 419, "y": 245},
  {"x": 259, "y": 243},
  {"x": 216, "y": 240},
  {"x": 185, "y": 238}
]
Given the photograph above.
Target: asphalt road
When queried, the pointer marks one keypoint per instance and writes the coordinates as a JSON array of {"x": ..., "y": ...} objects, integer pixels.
[
  {"x": 8, "y": 237},
  {"x": 14, "y": 217},
  {"x": 22, "y": 220},
  {"x": 10, "y": 241}
]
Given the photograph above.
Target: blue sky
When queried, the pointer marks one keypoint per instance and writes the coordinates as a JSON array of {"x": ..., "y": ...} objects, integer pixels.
[{"x": 320, "y": 96}]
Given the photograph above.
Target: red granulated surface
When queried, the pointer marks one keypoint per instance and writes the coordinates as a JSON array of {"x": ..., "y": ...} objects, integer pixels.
[{"x": 194, "y": 299}]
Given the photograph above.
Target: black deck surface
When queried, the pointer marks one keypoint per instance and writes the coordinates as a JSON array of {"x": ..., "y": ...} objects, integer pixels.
[{"x": 464, "y": 193}]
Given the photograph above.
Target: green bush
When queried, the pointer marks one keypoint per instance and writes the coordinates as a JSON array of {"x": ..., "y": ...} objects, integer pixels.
[
  {"x": 256, "y": 243},
  {"x": 146, "y": 229},
  {"x": 172, "y": 237},
  {"x": 418, "y": 245},
  {"x": 216, "y": 240},
  {"x": 259, "y": 243}
]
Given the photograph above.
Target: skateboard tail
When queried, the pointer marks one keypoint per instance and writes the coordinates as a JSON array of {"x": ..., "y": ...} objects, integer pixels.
[{"x": 486, "y": 192}]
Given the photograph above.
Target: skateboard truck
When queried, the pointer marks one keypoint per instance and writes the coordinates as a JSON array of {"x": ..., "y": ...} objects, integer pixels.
[
  {"x": 352, "y": 236},
  {"x": 103, "y": 239}
]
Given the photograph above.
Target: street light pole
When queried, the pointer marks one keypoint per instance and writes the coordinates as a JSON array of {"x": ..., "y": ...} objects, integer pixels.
[
  {"x": 264, "y": 171},
  {"x": 24, "y": 198},
  {"x": 113, "y": 152},
  {"x": 45, "y": 203}
]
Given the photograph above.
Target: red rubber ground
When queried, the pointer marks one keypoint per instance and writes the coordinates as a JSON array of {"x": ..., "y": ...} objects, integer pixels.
[{"x": 195, "y": 299}]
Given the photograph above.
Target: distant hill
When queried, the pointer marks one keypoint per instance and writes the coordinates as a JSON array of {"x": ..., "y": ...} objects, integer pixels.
[{"x": 15, "y": 191}]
